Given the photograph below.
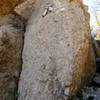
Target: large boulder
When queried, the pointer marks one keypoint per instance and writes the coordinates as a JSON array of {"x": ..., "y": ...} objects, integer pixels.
[
  {"x": 11, "y": 44},
  {"x": 58, "y": 58}
]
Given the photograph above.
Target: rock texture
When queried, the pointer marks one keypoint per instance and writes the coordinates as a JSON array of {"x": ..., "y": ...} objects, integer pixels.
[
  {"x": 7, "y": 6},
  {"x": 58, "y": 57},
  {"x": 11, "y": 43},
  {"x": 26, "y": 8}
]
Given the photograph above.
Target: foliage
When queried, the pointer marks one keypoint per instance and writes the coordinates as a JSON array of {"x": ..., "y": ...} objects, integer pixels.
[
  {"x": 11, "y": 94},
  {"x": 97, "y": 20},
  {"x": 80, "y": 96}
]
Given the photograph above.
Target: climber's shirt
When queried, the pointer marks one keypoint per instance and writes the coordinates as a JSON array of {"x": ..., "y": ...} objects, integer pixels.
[
  {"x": 49, "y": 5},
  {"x": 48, "y": 8}
]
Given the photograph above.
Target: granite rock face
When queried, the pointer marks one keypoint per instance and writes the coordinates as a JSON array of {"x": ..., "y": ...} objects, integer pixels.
[
  {"x": 11, "y": 43},
  {"x": 58, "y": 58},
  {"x": 26, "y": 8},
  {"x": 7, "y": 6}
]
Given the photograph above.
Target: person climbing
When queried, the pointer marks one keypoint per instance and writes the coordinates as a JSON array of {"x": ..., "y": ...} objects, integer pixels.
[{"x": 48, "y": 8}]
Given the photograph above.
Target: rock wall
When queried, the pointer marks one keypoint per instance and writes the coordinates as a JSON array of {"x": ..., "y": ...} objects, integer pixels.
[
  {"x": 11, "y": 44},
  {"x": 58, "y": 57}
]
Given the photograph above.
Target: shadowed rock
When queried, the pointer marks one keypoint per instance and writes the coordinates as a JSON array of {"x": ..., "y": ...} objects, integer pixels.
[{"x": 11, "y": 43}]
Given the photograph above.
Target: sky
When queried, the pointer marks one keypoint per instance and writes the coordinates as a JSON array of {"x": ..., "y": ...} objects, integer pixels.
[{"x": 93, "y": 4}]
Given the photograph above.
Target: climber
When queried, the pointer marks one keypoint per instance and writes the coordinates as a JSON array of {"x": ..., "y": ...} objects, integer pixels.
[{"x": 48, "y": 8}]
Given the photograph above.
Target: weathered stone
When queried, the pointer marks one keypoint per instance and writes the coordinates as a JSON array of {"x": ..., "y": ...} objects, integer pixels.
[
  {"x": 7, "y": 6},
  {"x": 11, "y": 41},
  {"x": 25, "y": 9},
  {"x": 58, "y": 58}
]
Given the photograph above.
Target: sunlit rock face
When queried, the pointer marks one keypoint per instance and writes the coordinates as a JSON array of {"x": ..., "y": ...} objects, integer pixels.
[
  {"x": 58, "y": 58},
  {"x": 26, "y": 8},
  {"x": 7, "y": 6},
  {"x": 11, "y": 43}
]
